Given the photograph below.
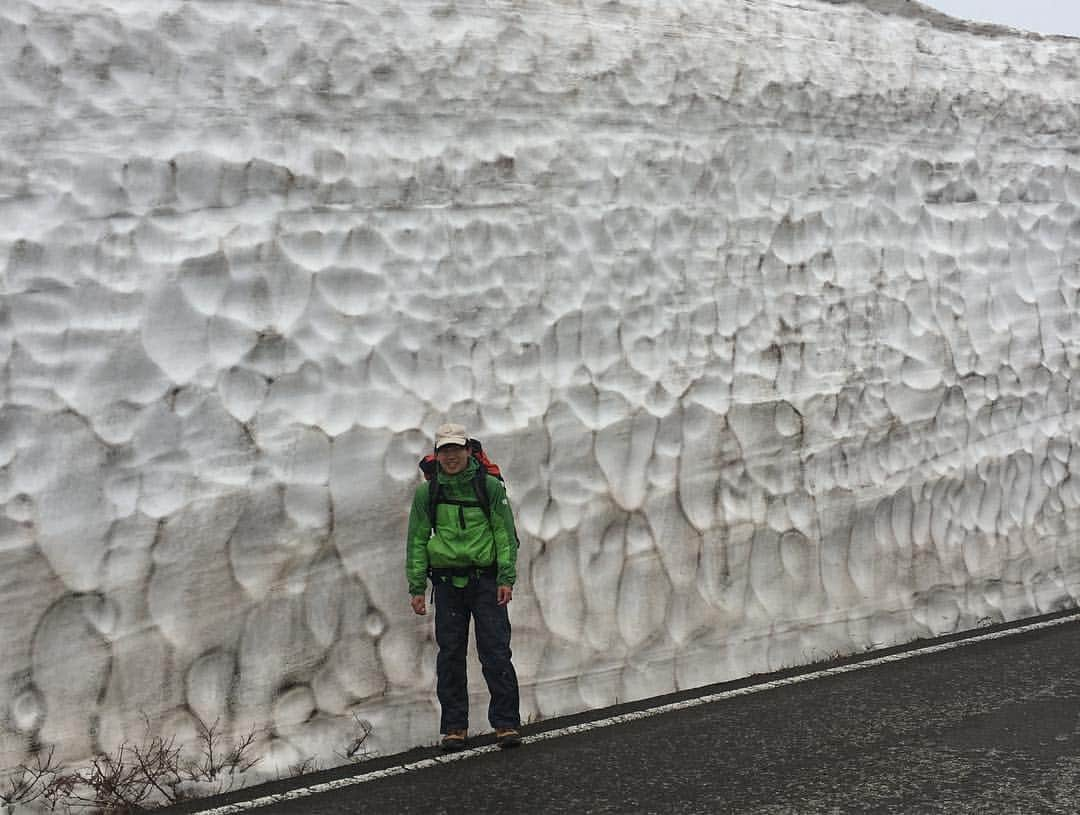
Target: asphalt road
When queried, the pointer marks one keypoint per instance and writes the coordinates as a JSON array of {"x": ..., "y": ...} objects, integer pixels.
[{"x": 990, "y": 727}]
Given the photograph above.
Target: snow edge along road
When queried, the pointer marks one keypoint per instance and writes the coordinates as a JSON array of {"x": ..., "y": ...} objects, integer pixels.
[{"x": 773, "y": 684}]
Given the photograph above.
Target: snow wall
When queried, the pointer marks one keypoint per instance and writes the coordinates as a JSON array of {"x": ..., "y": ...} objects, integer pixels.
[{"x": 768, "y": 310}]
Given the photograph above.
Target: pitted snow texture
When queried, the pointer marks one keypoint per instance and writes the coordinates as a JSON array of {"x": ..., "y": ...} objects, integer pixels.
[{"x": 768, "y": 310}]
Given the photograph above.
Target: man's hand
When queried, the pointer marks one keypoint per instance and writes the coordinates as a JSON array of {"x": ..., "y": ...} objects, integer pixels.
[
  {"x": 506, "y": 594},
  {"x": 419, "y": 605}
]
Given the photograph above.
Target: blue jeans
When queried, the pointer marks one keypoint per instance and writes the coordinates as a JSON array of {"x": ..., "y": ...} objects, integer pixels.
[{"x": 453, "y": 609}]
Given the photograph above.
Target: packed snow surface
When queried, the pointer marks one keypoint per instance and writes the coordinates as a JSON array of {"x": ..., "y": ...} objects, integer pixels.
[{"x": 768, "y": 310}]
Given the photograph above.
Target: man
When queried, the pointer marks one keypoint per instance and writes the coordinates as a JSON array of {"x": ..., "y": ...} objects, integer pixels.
[{"x": 469, "y": 551}]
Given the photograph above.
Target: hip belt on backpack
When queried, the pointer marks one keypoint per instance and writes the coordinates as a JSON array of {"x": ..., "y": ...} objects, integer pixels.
[{"x": 444, "y": 573}]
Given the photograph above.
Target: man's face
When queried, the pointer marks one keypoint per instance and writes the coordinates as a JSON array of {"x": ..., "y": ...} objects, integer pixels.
[{"x": 452, "y": 458}]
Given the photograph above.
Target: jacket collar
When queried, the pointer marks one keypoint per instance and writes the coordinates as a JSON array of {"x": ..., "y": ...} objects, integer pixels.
[{"x": 463, "y": 476}]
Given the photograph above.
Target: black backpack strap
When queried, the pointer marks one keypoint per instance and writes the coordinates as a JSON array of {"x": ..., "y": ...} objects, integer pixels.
[
  {"x": 436, "y": 497},
  {"x": 481, "y": 490},
  {"x": 434, "y": 493}
]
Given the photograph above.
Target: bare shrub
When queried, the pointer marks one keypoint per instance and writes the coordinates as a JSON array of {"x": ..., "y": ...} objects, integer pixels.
[
  {"x": 303, "y": 767},
  {"x": 355, "y": 750},
  {"x": 140, "y": 776},
  {"x": 219, "y": 755},
  {"x": 27, "y": 784},
  {"x": 123, "y": 780}
]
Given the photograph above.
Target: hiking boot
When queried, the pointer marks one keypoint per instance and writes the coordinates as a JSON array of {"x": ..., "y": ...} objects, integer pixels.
[
  {"x": 454, "y": 741},
  {"x": 507, "y": 737}
]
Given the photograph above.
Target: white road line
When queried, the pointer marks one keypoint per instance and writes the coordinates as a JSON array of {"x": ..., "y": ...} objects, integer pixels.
[{"x": 341, "y": 783}]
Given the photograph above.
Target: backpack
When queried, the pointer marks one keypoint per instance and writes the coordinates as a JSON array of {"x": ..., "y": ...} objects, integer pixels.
[{"x": 429, "y": 467}]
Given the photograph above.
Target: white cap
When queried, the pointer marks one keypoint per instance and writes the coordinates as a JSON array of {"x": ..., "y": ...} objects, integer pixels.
[{"x": 451, "y": 434}]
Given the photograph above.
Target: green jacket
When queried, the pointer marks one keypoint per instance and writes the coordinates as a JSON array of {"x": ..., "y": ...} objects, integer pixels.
[{"x": 454, "y": 544}]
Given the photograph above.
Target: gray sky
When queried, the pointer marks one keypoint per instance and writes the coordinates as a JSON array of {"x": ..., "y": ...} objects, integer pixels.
[{"x": 1044, "y": 16}]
